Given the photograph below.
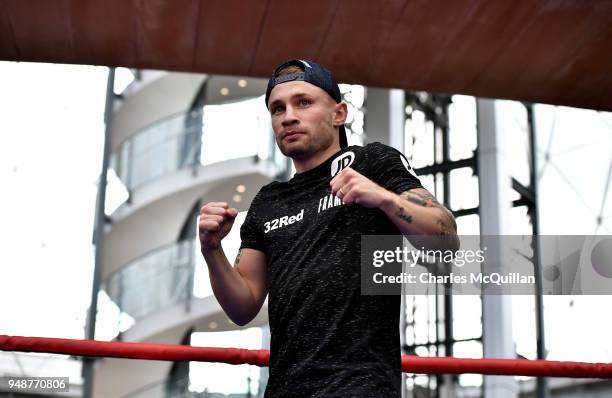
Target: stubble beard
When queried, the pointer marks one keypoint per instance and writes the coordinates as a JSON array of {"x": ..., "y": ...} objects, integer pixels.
[{"x": 308, "y": 149}]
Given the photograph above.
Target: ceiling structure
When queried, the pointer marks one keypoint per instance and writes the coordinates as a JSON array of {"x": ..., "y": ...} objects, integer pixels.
[{"x": 555, "y": 51}]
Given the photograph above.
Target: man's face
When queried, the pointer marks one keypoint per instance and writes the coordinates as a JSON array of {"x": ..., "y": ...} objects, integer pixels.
[{"x": 302, "y": 119}]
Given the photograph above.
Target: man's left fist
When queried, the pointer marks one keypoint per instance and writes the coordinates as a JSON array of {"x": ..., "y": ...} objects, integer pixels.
[{"x": 352, "y": 187}]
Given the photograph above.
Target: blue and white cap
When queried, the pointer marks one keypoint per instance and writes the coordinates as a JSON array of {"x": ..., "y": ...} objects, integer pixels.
[{"x": 314, "y": 74}]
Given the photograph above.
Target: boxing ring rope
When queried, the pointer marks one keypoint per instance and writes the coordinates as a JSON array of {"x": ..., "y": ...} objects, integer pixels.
[{"x": 236, "y": 356}]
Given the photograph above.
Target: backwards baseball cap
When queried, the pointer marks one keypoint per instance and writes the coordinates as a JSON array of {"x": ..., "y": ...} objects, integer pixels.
[{"x": 313, "y": 74}]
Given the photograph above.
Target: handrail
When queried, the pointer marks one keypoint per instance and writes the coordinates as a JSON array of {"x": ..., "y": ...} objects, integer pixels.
[
  {"x": 129, "y": 288},
  {"x": 177, "y": 142}
]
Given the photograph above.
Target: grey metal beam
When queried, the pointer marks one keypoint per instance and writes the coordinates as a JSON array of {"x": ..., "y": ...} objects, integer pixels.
[
  {"x": 542, "y": 382},
  {"x": 494, "y": 190},
  {"x": 98, "y": 236}
]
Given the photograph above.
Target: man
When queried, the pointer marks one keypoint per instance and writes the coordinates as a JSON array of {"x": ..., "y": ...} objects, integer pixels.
[{"x": 300, "y": 245}]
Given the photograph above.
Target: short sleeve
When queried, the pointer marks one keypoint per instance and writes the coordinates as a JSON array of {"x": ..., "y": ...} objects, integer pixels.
[
  {"x": 390, "y": 169},
  {"x": 250, "y": 234}
]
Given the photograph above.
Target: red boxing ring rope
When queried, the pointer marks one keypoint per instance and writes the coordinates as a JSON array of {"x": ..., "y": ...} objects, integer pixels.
[{"x": 235, "y": 356}]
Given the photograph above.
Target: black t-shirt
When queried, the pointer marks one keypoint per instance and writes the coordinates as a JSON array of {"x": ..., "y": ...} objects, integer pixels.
[{"x": 327, "y": 340}]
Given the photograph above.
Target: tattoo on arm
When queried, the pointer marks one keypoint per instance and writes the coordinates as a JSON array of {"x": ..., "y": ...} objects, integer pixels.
[
  {"x": 237, "y": 258},
  {"x": 447, "y": 223},
  {"x": 401, "y": 213},
  {"x": 445, "y": 228},
  {"x": 418, "y": 199}
]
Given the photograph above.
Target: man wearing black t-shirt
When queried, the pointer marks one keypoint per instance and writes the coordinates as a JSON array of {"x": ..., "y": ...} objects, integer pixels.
[{"x": 301, "y": 246}]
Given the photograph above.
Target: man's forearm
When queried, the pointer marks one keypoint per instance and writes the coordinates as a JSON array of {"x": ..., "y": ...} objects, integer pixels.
[
  {"x": 419, "y": 214},
  {"x": 229, "y": 287}
]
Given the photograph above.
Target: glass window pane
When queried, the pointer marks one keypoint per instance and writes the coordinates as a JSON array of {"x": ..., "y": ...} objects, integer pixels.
[
  {"x": 462, "y": 127},
  {"x": 469, "y": 349},
  {"x": 519, "y": 222},
  {"x": 418, "y": 140},
  {"x": 234, "y": 130},
  {"x": 467, "y": 313},
  {"x": 468, "y": 225},
  {"x": 524, "y": 327},
  {"x": 464, "y": 189}
]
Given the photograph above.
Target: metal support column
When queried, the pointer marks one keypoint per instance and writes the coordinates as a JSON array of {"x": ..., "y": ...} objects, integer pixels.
[
  {"x": 542, "y": 382},
  {"x": 495, "y": 184},
  {"x": 90, "y": 331},
  {"x": 449, "y": 381}
]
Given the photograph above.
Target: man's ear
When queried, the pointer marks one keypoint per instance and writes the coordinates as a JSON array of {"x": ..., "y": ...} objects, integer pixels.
[{"x": 340, "y": 114}]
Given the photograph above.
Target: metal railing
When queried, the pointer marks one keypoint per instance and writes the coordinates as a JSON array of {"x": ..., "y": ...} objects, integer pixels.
[
  {"x": 157, "y": 280},
  {"x": 192, "y": 139}
]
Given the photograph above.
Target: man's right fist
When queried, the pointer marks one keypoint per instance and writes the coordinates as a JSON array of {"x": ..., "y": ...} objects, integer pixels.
[{"x": 216, "y": 220}]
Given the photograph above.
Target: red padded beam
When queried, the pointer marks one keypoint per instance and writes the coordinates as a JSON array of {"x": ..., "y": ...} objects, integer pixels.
[{"x": 235, "y": 356}]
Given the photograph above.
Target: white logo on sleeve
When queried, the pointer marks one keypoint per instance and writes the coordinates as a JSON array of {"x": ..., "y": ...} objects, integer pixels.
[
  {"x": 342, "y": 162},
  {"x": 407, "y": 166}
]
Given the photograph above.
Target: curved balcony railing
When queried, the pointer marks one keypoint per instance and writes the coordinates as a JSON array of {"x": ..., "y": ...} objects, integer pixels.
[
  {"x": 160, "y": 279},
  {"x": 200, "y": 137}
]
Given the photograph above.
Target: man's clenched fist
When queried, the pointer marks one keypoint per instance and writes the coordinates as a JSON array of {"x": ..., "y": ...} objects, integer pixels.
[
  {"x": 216, "y": 220},
  {"x": 353, "y": 187}
]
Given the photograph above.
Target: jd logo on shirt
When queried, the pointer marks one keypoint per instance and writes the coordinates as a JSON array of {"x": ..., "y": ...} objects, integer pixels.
[
  {"x": 282, "y": 221},
  {"x": 342, "y": 162},
  {"x": 407, "y": 165}
]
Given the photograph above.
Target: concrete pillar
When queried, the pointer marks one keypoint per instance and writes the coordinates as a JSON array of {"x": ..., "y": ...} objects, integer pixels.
[
  {"x": 385, "y": 117},
  {"x": 494, "y": 189}
]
